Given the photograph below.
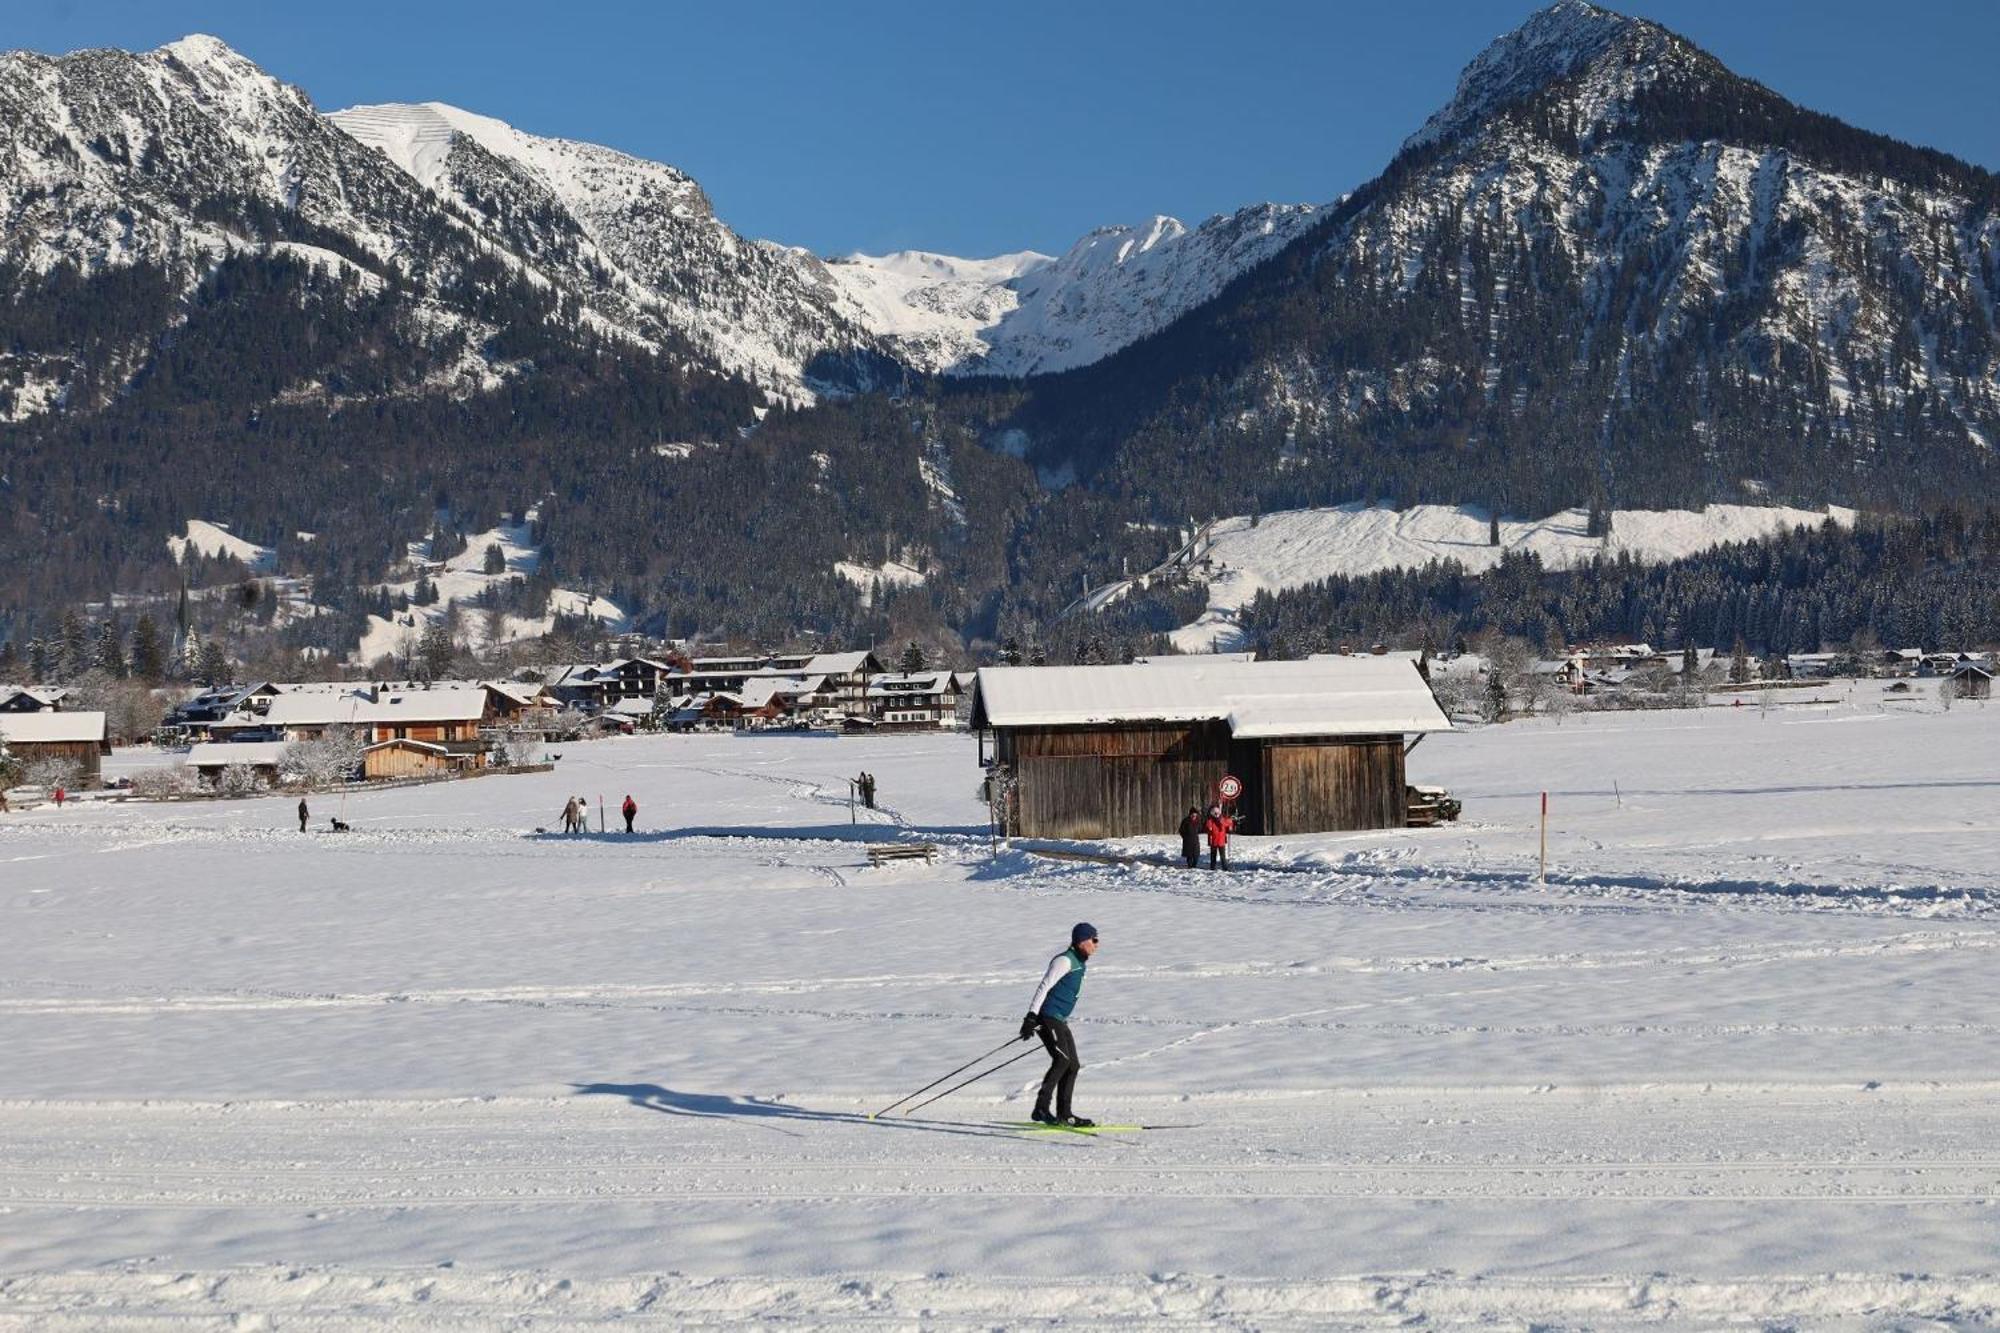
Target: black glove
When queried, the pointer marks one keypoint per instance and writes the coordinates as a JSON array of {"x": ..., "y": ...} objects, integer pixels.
[{"x": 1030, "y": 1025}]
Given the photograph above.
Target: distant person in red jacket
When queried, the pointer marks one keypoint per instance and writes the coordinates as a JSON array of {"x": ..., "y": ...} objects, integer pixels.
[
  {"x": 60, "y": 793},
  {"x": 630, "y": 810},
  {"x": 1218, "y": 829}
]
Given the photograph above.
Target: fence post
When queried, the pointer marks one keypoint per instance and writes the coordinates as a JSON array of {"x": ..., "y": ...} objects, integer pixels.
[{"x": 1544, "y": 875}]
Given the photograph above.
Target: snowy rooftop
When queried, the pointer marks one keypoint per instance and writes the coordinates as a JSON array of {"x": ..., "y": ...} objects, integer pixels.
[
  {"x": 48, "y": 696},
  {"x": 836, "y": 664},
  {"x": 221, "y": 754},
  {"x": 922, "y": 682},
  {"x": 363, "y": 706},
  {"x": 1342, "y": 697},
  {"x": 51, "y": 728}
]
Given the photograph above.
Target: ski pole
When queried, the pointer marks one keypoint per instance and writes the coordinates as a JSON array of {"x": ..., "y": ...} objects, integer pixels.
[
  {"x": 942, "y": 1077},
  {"x": 969, "y": 1082}
]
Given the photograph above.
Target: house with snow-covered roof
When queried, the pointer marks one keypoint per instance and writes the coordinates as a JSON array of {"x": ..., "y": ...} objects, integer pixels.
[
  {"x": 919, "y": 699},
  {"x": 78, "y": 738},
  {"x": 32, "y": 698},
  {"x": 448, "y": 715},
  {"x": 1113, "y": 751}
]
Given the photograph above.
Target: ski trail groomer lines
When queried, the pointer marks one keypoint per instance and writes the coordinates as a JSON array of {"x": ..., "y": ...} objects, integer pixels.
[{"x": 1048, "y": 1014}]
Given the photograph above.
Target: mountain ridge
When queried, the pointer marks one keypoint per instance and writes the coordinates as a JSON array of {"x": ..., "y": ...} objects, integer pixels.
[{"x": 1608, "y": 273}]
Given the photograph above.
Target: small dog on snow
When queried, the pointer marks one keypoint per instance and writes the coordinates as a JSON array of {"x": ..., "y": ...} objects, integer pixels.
[{"x": 340, "y": 826}]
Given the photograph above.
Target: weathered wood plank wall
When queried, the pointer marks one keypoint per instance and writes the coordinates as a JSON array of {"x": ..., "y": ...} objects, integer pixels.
[
  {"x": 1112, "y": 782},
  {"x": 1352, "y": 783}
]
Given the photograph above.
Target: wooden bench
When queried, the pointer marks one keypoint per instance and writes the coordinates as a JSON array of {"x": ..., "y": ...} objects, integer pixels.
[{"x": 880, "y": 852}]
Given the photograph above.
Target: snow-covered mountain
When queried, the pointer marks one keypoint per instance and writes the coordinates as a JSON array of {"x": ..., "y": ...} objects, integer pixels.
[
  {"x": 770, "y": 310},
  {"x": 1609, "y": 272},
  {"x": 1028, "y": 314},
  {"x": 637, "y": 238},
  {"x": 1609, "y": 267}
]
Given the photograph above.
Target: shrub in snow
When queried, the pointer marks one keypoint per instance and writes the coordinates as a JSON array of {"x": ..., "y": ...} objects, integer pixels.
[
  {"x": 169, "y": 780},
  {"x": 51, "y": 773},
  {"x": 519, "y": 747},
  {"x": 238, "y": 780}
]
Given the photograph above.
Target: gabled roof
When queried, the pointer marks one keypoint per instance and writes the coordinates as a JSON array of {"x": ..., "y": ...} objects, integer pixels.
[
  {"x": 46, "y": 696},
  {"x": 840, "y": 664},
  {"x": 520, "y": 691},
  {"x": 52, "y": 728},
  {"x": 918, "y": 682},
  {"x": 405, "y": 743},
  {"x": 1369, "y": 696}
]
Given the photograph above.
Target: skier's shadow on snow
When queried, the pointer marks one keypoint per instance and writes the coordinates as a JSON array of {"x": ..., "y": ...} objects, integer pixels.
[{"x": 712, "y": 1106}]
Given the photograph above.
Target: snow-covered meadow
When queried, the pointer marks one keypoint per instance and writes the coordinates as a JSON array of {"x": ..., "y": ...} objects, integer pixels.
[{"x": 1731, "y": 1063}]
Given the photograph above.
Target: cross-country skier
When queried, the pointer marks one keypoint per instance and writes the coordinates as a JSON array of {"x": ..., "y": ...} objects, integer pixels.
[
  {"x": 630, "y": 810},
  {"x": 304, "y": 814},
  {"x": 1048, "y": 1015}
]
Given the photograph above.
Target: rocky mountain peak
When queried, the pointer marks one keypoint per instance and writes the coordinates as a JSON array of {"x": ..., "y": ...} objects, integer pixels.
[{"x": 1554, "y": 45}]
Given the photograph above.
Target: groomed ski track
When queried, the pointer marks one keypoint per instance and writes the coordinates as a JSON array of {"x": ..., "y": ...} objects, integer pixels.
[{"x": 1734, "y": 1063}]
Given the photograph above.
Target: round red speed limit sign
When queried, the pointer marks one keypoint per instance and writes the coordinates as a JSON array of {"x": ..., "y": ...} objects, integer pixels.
[{"x": 1230, "y": 787}]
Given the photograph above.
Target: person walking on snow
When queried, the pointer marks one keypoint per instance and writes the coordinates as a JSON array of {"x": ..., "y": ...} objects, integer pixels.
[
  {"x": 1218, "y": 828},
  {"x": 1191, "y": 837},
  {"x": 569, "y": 816},
  {"x": 630, "y": 810},
  {"x": 304, "y": 814},
  {"x": 1048, "y": 1015}
]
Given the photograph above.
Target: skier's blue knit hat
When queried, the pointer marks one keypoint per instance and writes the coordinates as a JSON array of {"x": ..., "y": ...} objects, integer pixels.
[{"x": 1080, "y": 932}]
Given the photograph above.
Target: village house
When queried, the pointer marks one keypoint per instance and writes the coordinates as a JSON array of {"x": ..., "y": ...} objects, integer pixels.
[
  {"x": 923, "y": 699},
  {"x": 599, "y": 685},
  {"x": 77, "y": 738},
  {"x": 448, "y": 715},
  {"x": 1113, "y": 751},
  {"x": 845, "y": 676},
  {"x": 32, "y": 698}
]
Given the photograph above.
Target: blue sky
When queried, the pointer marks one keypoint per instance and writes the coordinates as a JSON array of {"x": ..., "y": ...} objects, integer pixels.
[{"x": 975, "y": 129}]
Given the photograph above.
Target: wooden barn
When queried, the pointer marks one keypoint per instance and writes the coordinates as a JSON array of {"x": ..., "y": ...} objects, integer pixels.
[
  {"x": 1113, "y": 751},
  {"x": 79, "y": 738},
  {"x": 405, "y": 758},
  {"x": 1972, "y": 681}
]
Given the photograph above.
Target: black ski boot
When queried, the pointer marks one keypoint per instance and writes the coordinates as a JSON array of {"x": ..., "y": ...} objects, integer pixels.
[
  {"x": 1078, "y": 1122},
  {"x": 1041, "y": 1116}
]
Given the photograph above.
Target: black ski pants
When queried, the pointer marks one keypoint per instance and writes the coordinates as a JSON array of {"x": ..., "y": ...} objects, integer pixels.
[
  {"x": 1060, "y": 1081},
  {"x": 628, "y": 822},
  {"x": 1218, "y": 857}
]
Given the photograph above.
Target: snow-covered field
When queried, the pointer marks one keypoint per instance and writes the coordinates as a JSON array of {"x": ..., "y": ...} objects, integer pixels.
[
  {"x": 1732, "y": 1064},
  {"x": 1299, "y": 546}
]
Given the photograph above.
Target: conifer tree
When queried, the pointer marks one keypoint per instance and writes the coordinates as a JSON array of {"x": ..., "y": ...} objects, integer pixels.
[
  {"x": 149, "y": 655},
  {"x": 109, "y": 654}
]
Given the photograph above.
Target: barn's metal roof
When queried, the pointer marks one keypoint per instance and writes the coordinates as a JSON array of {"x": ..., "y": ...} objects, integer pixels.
[{"x": 1259, "y": 700}]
